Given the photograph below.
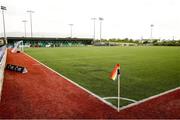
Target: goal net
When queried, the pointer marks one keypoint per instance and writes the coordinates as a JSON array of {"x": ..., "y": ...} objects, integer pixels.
[{"x": 18, "y": 47}]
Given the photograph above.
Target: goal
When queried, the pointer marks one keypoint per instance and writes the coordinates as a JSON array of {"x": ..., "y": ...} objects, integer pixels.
[{"x": 18, "y": 47}]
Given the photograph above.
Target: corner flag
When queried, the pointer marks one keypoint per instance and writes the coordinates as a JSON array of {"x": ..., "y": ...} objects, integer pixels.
[{"x": 115, "y": 72}]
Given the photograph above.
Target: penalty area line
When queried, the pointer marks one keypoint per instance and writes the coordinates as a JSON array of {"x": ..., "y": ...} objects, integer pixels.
[{"x": 91, "y": 93}]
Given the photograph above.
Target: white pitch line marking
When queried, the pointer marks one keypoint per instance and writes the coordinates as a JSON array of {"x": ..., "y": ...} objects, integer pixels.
[
  {"x": 149, "y": 98},
  {"x": 122, "y": 98},
  {"x": 96, "y": 96},
  {"x": 101, "y": 99}
]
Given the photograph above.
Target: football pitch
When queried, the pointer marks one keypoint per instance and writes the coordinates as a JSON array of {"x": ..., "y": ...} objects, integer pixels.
[{"x": 145, "y": 71}]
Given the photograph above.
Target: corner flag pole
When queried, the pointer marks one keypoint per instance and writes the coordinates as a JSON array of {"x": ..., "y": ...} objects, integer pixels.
[
  {"x": 118, "y": 72},
  {"x": 116, "y": 75}
]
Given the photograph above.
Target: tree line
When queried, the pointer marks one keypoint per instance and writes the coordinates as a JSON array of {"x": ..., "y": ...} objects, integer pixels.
[{"x": 155, "y": 42}]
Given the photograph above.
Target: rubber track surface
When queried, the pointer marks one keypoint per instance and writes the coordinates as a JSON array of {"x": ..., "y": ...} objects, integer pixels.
[{"x": 41, "y": 93}]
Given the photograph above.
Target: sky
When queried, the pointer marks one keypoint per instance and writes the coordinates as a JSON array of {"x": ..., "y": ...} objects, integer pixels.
[{"x": 122, "y": 18}]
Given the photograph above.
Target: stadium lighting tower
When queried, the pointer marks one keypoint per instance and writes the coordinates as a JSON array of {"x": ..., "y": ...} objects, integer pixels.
[
  {"x": 101, "y": 19},
  {"x": 3, "y": 8},
  {"x": 151, "y": 31},
  {"x": 24, "y": 21},
  {"x": 30, "y": 13},
  {"x": 94, "y": 35},
  {"x": 71, "y": 25}
]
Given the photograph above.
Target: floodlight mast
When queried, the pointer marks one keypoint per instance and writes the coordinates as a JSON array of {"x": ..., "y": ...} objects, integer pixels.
[
  {"x": 101, "y": 19},
  {"x": 94, "y": 35},
  {"x": 151, "y": 31},
  {"x": 3, "y": 8},
  {"x": 30, "y": 15},
  {"x": 71, "y": 25},
  {"x": 24, "y": 21}
]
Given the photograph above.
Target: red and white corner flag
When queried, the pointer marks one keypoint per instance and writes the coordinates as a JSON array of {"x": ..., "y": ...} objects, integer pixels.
[{"x": 116, "y": 72}]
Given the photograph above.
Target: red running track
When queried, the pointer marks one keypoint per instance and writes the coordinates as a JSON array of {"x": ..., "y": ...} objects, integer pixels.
[{"x": 41, "y": 93}]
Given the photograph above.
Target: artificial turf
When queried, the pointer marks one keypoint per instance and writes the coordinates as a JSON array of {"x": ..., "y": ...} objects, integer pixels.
[{"x": 145, "y": 71}]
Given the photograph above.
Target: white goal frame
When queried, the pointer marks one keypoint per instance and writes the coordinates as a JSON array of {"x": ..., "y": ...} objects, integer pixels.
[{"x": 18, "y": 46}]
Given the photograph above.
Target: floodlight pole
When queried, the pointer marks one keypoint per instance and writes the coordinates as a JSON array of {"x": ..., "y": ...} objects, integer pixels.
[
  {"x": 30, "y": 15},
  {"x": 100, "y": 19},
  {"x": 94, "y": 20},
  {"x": 24, "y": 21},
  {"x": 3, "y": 8},
  {"x": 151, "y": 31},
  {"x": 71, "y": 25}
]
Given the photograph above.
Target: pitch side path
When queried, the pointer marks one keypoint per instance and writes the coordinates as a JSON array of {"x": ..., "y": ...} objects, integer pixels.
[{"x": 41, "y": 93}]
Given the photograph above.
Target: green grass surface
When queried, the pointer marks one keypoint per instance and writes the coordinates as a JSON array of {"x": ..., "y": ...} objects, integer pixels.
[{"x": 145, "y": 71}]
